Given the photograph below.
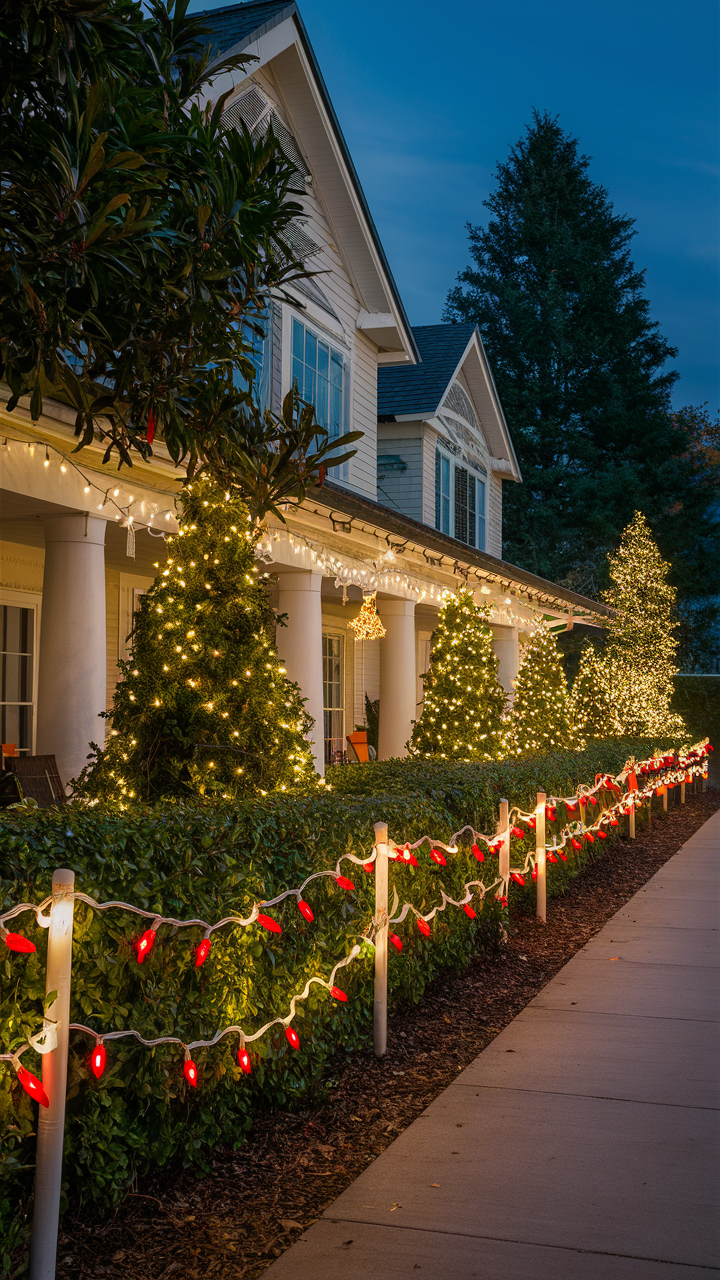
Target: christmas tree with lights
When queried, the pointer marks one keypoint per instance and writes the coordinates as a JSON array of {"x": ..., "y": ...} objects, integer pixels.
[
  {"x": 205, "y": 707},
  {"x": 590, "y": 700},
  {"x": 463, "y": 703},
  {"x": 541, "y": 716},
  {"x": 639, "y": 659}
]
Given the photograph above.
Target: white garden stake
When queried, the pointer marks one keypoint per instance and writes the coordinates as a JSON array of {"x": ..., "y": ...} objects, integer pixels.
[
  {"x": 631, "y": 818},
  {"x": 682, "y": 791},
  {"x": 504, "y": 831},
  {"x": 540, "y": 856},
  {"x": 381, "y": 939},
  {"x": 51, "y": 1120}
]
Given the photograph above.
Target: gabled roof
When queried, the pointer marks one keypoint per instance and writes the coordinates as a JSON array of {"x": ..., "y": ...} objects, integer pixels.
[
  {"x": 404, "y": 389},
  {"x": 235, "y": 28}
]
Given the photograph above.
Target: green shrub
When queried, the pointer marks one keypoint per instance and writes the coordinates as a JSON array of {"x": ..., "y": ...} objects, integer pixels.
[{"x": 697, "y": 700}]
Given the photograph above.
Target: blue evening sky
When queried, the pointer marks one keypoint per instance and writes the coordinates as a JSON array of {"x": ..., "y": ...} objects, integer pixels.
[{"x": 431, "y": 97}]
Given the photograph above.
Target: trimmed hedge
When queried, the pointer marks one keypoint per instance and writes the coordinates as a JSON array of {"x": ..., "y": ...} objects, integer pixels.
[{"x": 214, "y": 859}]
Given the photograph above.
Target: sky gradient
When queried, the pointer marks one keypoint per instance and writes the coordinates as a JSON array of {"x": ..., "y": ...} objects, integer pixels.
[{"x": 431, "y": 97}]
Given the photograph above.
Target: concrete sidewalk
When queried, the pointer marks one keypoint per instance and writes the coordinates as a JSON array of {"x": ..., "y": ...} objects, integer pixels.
[{"x": 582, "y": 1144}]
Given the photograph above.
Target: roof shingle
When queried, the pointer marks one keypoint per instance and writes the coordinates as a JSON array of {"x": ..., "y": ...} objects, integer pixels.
[
  {"x": 234, "y": 24},
  {"x": 420, "y": 388}
]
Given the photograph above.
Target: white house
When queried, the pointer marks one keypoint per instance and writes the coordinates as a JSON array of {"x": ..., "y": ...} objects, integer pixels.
[{"x": 80, "y": 540}]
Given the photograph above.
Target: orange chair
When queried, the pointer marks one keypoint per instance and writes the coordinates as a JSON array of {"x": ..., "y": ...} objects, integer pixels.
[{"x": 358, "y": 747}]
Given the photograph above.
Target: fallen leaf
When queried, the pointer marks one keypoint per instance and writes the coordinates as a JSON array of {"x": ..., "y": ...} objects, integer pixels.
[
  {"x": 289, "y": 1224},
  {"x": 434, "y": 1184}
]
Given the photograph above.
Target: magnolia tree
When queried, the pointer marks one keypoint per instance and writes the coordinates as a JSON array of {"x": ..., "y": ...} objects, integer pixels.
[
  {"x": 205, "y": 706},
  {"x": 638, "y": 663},
  {"x": 463, "y": 704},
  {"x": 541, "y": 716}
]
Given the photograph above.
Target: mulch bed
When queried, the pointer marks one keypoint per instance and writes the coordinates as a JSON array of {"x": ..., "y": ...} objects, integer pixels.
[{"x": 256, "y": 1201}]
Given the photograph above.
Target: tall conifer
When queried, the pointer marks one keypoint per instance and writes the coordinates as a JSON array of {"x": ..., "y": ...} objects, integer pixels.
[
  {"x": 541, "y": 717},
  {"x": 463, "y": 704},
  {"x": 579, "y": 364}
]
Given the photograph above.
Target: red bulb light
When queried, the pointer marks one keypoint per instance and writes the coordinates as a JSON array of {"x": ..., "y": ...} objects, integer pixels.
[
  {"x": 550, "y": 813},
  {"x": 436, "y": 856},
  {"x": 337, "y": 994},
  {"x": 515, "y": 875},
  {"x": 593, "y": 800},
  {"x": 268, "y": 923},
  {"x": 517, "y": 832},
  {"x": 16, "y": 942},
  {"x": 243, "y": 1058},
  {"x": 570, "y": 807},
  {"x": 531, "y": 823},
  {"x": 613, "y": 822},
  {"x": 602, "y": 835},
  {"x": 344, "y": 883},
  {"x": 396, "y": 942},
  {"x": 292, "y": 1037},
  {"x": 478, "y": 853},
  {"x": 562, "y": 855},
  {"x": 534, "y": 873},
  {"x": 575, "y": 843},
  {"x": 589, "y": 837},
  {"x": 583, "y": 801},
  {"x": 97, "y": 1060},
  {"x": 305, "y": 910},
  {"x": 144, "y": 944},
  {"x": 551, "y": 857},
  {"x": 202, "y": 951},
  {"x": 369, "y": 867},
  {"x": 190, "y": 1072},
  {"x": 33, "y": 1086},
  {"x": 423, "y": 926},
  {"x": 469, "y": 911}
]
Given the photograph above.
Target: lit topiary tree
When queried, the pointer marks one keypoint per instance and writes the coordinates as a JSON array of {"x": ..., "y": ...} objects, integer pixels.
[
  {"x": 639, "y": 660},
  {"x": 463, "y": 704},
  {"x": 205, "y": 706},
  {"x": 541, "y": 717},
  {"x": 590, "y": 700}
]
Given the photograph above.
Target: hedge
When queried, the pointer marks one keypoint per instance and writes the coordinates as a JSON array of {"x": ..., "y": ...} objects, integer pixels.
[
  {"x": 213, "y": 859},
  {"x": 697, "y": 699}
]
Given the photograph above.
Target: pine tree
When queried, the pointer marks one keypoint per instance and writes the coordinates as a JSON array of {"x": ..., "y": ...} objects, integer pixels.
[
  {"x": 463, "y": 703},
  {"x": 204, "y": 707},
  {"x": 639, "y": 659},
  {"x": 590, "y": 701},
  {"x": 579, "y": 364},
  {"x": 541, "y": 717}
]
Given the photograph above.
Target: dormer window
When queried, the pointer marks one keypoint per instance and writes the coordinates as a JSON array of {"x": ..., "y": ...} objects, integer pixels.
[{"x": 460, "y": 498}]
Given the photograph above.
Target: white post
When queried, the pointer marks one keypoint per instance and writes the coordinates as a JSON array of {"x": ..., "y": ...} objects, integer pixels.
[
  {"x": 631, "y": 817},
  {"x": 300, "y": 647},
  {"x": 381, "y": 940},
  {"x": 72, "y": 672},
  {"x": 506, "y": 645},
  {"x": 398, "y": 689},
  {"x": 682, "y": 791},
  {"x": 540, "y": 856},
  {"x": 51, "y": 1120},
  {"x": 665, "y": 794},
  {"x": 504, "y": 831}
]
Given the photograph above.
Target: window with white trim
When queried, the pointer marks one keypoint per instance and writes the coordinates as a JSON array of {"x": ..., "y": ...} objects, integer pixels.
[
  {"x": 18, "y": 675},
  {"x": 333, "y": 649},
  {"x": 460, "y": 499},
  {"x": 320, "y": 373}
]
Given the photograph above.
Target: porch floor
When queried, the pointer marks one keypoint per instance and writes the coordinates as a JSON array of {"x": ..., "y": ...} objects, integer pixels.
[{"x": 583, "y": 1142}]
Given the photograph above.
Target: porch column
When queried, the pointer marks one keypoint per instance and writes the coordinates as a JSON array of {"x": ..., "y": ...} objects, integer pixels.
[
  {"x": 300, "y": 647},
  {"x": 506, "y": 644},
  {"x": 72, "y": 681},
  {"x": 398, "y": 692}
]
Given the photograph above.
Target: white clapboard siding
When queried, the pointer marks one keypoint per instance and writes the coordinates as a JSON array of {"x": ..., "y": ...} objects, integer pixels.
[{"x": 494, "y": 527}]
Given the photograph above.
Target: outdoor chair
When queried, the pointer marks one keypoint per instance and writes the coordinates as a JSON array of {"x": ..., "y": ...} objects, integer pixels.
[{"x": 39, "y": 778}]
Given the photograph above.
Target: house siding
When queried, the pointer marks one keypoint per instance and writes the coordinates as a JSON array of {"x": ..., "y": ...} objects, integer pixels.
[
  {"x": 402, "y": 490},
  {"x": 494, "y": 528}
]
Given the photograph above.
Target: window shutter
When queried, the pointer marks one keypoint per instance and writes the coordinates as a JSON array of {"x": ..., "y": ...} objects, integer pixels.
[
  {"x": 472, "y": 512},
  {"x": 461, "y": 504}
]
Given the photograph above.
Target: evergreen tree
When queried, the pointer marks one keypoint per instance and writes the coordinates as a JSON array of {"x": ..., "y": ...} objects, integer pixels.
[
  {"x": 204, "y": 706},
  {"x": 541, "y": 716},
  {"x": 589, "y": 700},
  {"x": 463, "y": 703},
  {"x": 579, "y": 364},
  {"x": 639, "y": 659}
]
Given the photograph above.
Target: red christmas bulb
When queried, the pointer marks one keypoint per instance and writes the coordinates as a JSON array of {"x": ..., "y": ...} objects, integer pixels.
[
  {"x": 202, "y": 951},
  {"x": 144, "y": 944},
  {"x": 589, "y": 837},
  {"x": 97, "y": 1060},
  {"x": 337, "y": 994},
  {"x": 583, "y": 801},
  {"x": 570, "y": 807},
  {"x": 550, "y": 813},
  {"x": 602, "y": 835},
  {"x": 152, "y": 423},
  {"x": 470, "y": 912},
  {"x": 551, "y": 857},
  {"x": 243, "y": 1058},
  {"x": 608, "y": 782},
  {"x": 369, "y": 867},
  {"x": 190, "y": 1072},
  {"x": 305, "y": 910},
  {"x": 423, "y": 926},
  {"x": 503, "y": 901},
  {"x": 593, "y": 799},
  {"x": 344, "y": 883},
  {"x": 534, "y": 873},
  {"x": 16, "y": 942},
  {"x": 436, "y": 856},
  {"x": 396, "y": 942},
  {"x": 575, "y": 843},
  {"x": 33, "y": 1086},
  {"x": 267, "y": 922},
  {"x": 517, "y": 878},
  {"x": 292, "y": 1036},
  {"x": 562, "y": 855},
  {"x": 613, "y": 822},
  {"x": 517, "y": 832},
  {"x": 478, "y": 853},
  {"x": 709, "y": 748},
  {"x": 531, "y": 823}
]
